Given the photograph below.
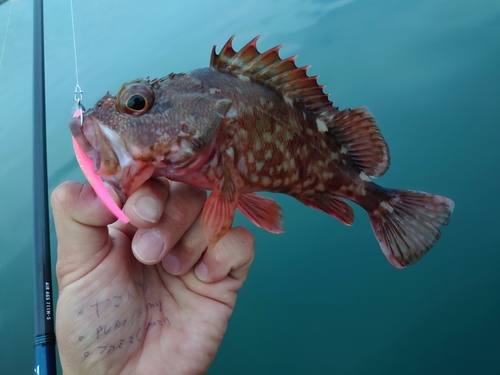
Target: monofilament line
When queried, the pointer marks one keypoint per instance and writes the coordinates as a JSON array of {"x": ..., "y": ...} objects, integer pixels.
[
  {"x": 6, "y": 32},
  {"x": 78, "y": 90}
]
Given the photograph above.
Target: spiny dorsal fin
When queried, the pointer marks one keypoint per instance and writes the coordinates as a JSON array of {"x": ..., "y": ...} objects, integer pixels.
[
  {"x": 269, "y": 69},
  {"x": 356, "y": 130}
]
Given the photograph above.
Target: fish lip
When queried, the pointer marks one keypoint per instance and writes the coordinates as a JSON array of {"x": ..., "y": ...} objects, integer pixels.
[
  {"x": 111, "y": 158},
  {"x": 79, "y": 134}
]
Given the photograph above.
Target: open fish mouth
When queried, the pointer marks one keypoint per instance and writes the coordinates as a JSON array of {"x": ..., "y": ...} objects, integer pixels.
[
  {"x": 82, "y": 133},
  {"x": 110, "y": 156}
]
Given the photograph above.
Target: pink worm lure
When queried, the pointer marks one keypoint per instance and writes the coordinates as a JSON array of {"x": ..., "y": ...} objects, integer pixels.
[{"x": 95, "y": 181}]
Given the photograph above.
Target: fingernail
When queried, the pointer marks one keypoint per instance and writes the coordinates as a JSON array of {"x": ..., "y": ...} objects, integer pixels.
[
  {"x": 149, "y": 246},
  {"x": 147, "y": 208},
  {"x": 171, "y": 264},
  {"x": 201, "y": 271}
]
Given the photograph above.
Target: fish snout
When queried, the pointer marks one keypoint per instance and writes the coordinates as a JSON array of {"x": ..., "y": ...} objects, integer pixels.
[{"x": 95, "y": 145}]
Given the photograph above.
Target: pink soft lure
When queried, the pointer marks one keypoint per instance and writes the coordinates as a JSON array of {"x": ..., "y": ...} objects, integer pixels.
[{"x": 95, "y": 181}]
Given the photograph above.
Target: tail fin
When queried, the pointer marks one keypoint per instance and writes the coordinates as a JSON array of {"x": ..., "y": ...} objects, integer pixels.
[{"x": 406, "y": 224}]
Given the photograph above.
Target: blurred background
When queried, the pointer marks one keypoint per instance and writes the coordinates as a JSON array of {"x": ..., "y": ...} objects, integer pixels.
[{"x": 321, "y": 298}]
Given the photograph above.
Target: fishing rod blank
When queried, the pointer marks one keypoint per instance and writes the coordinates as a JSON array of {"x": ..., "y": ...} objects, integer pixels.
[{"x": 45, "y": 340}]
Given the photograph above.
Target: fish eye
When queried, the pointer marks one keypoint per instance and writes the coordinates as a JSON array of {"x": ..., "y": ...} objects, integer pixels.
[{"x": 135, "y": 99}]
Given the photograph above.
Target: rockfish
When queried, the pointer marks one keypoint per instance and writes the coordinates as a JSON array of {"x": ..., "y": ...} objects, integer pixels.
[{"x": 255, "y": 122}]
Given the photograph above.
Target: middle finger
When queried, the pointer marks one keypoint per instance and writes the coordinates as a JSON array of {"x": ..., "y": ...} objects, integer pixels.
[{"x": 183, "y": 206}]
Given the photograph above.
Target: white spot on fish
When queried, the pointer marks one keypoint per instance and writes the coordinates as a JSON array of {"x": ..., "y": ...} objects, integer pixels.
[
  {"x": 321, "y": 125},
  {"x": 267, "y": 137},
  {"x": 254, "y": 178},
  {"x": 213, "y": 90},
  {"x": 259, "y": 166},
  {"x": 268, "y": 155},
  {"x": 262, "y": 100},
  {"x": 250, "y": 157},
  {"x": 232, "y": 112},
  {"x": 320, "y": 187},
  {"x": 271, "y": 105},
  {"x": 364, "y": 177},
  {"x": 386, "y": 206},
  {"x": 243, "y": 135},
  {"x": 309, "y": 131},
  {"x": 257, "y": 145},
  {"x": 243, "y": 77},
  {"x": 195, "y": 80},
  {"x": 277, "y": 182},
  {"x": 343, "y": 150},
  {"x": 277, "y": 128},
  {"x": 242, "y": 165},
  {"x": 288, "y": 99},
  {"x": 308, "y": 182},
  {"x": 266, "y": 181},
  {"x": 327, "y": 175}
]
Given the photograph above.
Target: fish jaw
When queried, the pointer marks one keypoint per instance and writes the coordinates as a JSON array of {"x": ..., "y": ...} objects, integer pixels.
[{"x": 111, "y": 158}]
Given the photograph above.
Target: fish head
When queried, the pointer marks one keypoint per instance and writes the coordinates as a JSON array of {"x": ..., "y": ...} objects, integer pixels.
[{"x": 161, "y": 127}]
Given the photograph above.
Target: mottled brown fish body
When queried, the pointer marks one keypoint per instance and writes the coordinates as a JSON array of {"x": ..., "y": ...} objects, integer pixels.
[{"x": 255, "y": 122}]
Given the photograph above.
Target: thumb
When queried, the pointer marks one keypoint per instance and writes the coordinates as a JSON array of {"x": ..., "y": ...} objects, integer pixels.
[{"x": 81, "y": 221}]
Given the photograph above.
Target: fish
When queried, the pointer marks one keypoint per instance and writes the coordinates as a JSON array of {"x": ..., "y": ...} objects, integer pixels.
[{"x": 251, "y": 122}]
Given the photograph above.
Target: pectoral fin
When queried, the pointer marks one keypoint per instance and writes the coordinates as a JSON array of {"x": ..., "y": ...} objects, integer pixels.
[{"x": 218, "y": 213}]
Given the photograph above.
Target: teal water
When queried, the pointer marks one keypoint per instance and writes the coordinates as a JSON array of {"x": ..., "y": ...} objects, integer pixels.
[{"x": 321, "y": 298}]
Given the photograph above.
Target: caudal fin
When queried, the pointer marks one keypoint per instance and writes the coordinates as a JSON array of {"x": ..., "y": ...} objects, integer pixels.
[{"x": 406, "y": 224}]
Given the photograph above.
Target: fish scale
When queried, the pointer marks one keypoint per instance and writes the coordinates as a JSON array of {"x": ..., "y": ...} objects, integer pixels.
[{"x": 254, "y": 122}]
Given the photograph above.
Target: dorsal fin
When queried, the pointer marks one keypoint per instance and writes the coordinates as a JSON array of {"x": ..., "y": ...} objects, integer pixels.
[
  {"x": 356, "y": 130},
  {"x": 269, "y": 69}
]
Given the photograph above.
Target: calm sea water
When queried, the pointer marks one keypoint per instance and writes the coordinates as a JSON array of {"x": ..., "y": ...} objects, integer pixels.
[{"x": 320, "y": 298}]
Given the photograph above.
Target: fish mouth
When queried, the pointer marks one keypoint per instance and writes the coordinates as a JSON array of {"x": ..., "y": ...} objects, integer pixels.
[
  {"x": 111, "y": 159},
  {"x": 82, "y": 132}
]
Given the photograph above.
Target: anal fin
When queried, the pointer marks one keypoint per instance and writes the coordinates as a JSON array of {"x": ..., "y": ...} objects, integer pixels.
[
  {"x": 331, "y": 204},
  {"x": 261, "y": 211}
]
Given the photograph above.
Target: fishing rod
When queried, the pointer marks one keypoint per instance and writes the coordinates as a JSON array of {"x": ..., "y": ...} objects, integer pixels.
[{"x": 45, "y": 339}]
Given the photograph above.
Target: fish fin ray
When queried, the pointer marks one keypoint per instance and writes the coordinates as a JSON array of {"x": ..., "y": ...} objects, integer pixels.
[
  {"x": 356, "y": 130},
  {"x": 218, "y": 213},
  {"x": 331, "y": 204},
  {"x": 261, "y": 211},
  {"x": 268, "y": 69},
  {"x": 406, "y": 224}
]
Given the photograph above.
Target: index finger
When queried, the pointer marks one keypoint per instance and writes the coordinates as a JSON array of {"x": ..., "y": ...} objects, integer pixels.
[{"x": 145, "y": 206}]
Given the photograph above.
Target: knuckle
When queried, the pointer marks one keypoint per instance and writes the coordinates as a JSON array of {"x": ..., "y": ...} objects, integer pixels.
[{"x": 179, "y": 216}]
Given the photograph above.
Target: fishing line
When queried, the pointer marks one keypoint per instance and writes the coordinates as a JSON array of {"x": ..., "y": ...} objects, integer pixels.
[
  {"x": 78, "y": 90},
  {"x": 6, "y": 32}
]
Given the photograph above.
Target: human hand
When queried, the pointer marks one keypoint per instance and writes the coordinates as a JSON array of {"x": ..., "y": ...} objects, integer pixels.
[{"x": 123, "y": 314}]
